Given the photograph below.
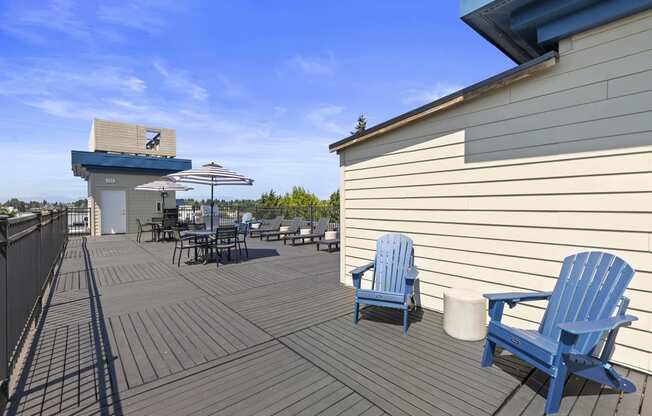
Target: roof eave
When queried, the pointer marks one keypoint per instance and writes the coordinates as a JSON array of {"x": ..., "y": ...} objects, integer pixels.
[{"x": 464, "y": 95}]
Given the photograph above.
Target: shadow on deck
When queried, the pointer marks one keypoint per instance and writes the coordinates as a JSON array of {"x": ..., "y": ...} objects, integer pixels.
[{"x": 127, "y": 332}]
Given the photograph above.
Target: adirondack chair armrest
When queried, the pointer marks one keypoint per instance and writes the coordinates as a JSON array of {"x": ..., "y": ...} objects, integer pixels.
[
  {"x": 497, "y": 301},
  {"x": 358, "y": 272},
  {"x": 411, "y": 275},
  {"x": 601, "y": 325},
  {"x": 516, "y": 297}
]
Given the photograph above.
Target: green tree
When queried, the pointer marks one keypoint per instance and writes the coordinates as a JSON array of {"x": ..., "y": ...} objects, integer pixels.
[
  {"x": 299, "y": 196},
  {"x": 334, "y": 199},
  {"x": 269, "y": 199},
  {"x": 360, "y": 125}
]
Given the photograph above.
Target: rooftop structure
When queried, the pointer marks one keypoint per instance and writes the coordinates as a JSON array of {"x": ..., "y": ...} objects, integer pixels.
[
  {"x": 122, "y": 156},
  {"x": 128, "y": 138}
]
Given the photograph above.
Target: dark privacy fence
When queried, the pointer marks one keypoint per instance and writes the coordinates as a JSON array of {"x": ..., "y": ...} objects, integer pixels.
[
  {"x": 231, "y": 212},
  {"x": 30, "y": 246}
]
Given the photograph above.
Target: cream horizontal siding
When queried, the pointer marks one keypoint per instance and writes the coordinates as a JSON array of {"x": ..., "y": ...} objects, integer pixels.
[
  {"x": 140, "y": 204},
  {"x": 111, "y": 136},
  {"x": 497, "y": 191}
]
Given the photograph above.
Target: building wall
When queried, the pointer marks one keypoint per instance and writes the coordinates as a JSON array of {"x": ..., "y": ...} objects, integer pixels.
[
  {"x": 140, "y": 204},
  {"x": 497, "y": 191},
  {"x": 111, "y": 136}
]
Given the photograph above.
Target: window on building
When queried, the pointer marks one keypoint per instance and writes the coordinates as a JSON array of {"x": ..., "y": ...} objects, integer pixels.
[{"x": 152, "y": 139}]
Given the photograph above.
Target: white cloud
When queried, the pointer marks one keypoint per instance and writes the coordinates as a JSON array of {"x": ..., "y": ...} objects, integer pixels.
[
  {"x": 324, "y": 118},
  {"x": 144, "y": 15},
  {"x": 133, "y": 15},
  {"x": 254, "y": 142},
  {"x": 324, "y": 65},
  {"x": 258, "y": 149},
  {"x": 32, "y": 21},
  {"x": 45, "y": 78},
  {"x": 426, "y": 95},
  {"x": 55, "y": 15},
  {"x": 180, "y": 81},
  {"x": 209, "y": 125}
]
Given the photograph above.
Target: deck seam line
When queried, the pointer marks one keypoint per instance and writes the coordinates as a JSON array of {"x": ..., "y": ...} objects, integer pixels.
[
  {"x": 314, "y": 336},
  {"x": 278, "y": 339},
  {"x": 211, "y": 295}
]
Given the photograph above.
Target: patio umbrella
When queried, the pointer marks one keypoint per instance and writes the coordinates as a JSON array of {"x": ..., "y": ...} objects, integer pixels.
[
  {"x": 163, "y": 186},
  {"x": 211, "y": 174}
]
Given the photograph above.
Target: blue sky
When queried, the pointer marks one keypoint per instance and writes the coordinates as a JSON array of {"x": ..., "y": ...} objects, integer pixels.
[{"x": 261, "y": 87}]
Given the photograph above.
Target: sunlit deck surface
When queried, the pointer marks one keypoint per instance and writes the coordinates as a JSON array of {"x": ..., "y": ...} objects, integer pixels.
[{"x": 127, "y": 332}]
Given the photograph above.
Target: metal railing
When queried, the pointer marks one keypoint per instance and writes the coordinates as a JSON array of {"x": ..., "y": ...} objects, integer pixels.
[
  {"x": 227, "y": 213},
  {"x": 79, "y": 221},
  {"x": 30, "y": 247}
]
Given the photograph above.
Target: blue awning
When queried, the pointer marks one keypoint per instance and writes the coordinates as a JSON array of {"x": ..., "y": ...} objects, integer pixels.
[{"x": 85, "y": 162}]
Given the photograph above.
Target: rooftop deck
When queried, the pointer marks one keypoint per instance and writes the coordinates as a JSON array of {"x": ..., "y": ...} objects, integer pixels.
[{"x": 128, "y": 333}]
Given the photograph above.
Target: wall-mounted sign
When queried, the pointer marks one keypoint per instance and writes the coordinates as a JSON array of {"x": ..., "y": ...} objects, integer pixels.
[{"x": 110, "y": 180}]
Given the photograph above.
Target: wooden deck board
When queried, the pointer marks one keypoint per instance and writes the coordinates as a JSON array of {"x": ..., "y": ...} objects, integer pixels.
[
  {"x": 271, "y": 335},
  {"x": 394, "y": 371},
  {"x": 581, "y": 397}
]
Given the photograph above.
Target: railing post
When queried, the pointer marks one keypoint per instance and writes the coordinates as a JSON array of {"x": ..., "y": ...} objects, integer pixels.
[
  {"x": 40, "y": 279},
  {"x": 4, "y": 338}
]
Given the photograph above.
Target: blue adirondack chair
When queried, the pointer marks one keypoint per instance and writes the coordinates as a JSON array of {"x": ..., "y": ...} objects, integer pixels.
[
  {"x": 586, "y": 304},
  {"x": 393, "y": 279}
]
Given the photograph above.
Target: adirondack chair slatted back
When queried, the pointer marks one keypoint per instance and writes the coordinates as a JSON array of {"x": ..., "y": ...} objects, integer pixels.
[
  {"x": 590, "y": 287},
  {"x": 393, "y": 258}
]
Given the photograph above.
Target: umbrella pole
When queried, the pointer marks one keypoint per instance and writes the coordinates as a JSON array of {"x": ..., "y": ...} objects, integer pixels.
[
  {"x": 212, "y": 202},
  {"x": 163, "y": 204}
]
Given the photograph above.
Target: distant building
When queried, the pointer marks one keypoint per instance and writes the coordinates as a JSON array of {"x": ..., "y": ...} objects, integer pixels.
[{"x": 122, "y": 156}]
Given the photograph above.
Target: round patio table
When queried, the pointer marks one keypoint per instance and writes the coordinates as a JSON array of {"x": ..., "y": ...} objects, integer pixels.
[
  {"x": 199, "y": 234},
  {"x": 205, "y": 235}
]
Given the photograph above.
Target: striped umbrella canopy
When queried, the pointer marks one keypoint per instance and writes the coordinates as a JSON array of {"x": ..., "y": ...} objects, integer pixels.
[
  {"x": 211, "y": 174},
  {"x": 163, "y": 186}
]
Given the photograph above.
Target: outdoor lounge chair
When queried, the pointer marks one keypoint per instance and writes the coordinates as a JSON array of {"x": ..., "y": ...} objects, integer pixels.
[
  {"x": 335, "y": 242},
  {"x": 587, "y": 303},
  {"x": 272, "y": 225},
  {"x": 392, "y": 285},
  {"x": 293, "y": 228},
  {"x": 317, "y": 232}
]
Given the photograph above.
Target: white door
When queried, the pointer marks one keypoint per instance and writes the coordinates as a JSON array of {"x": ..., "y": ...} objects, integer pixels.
[{"x": 114, "y": 212}]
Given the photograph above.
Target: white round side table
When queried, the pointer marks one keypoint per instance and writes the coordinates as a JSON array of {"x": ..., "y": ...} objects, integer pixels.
[{"x": 465, "y": 314}]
